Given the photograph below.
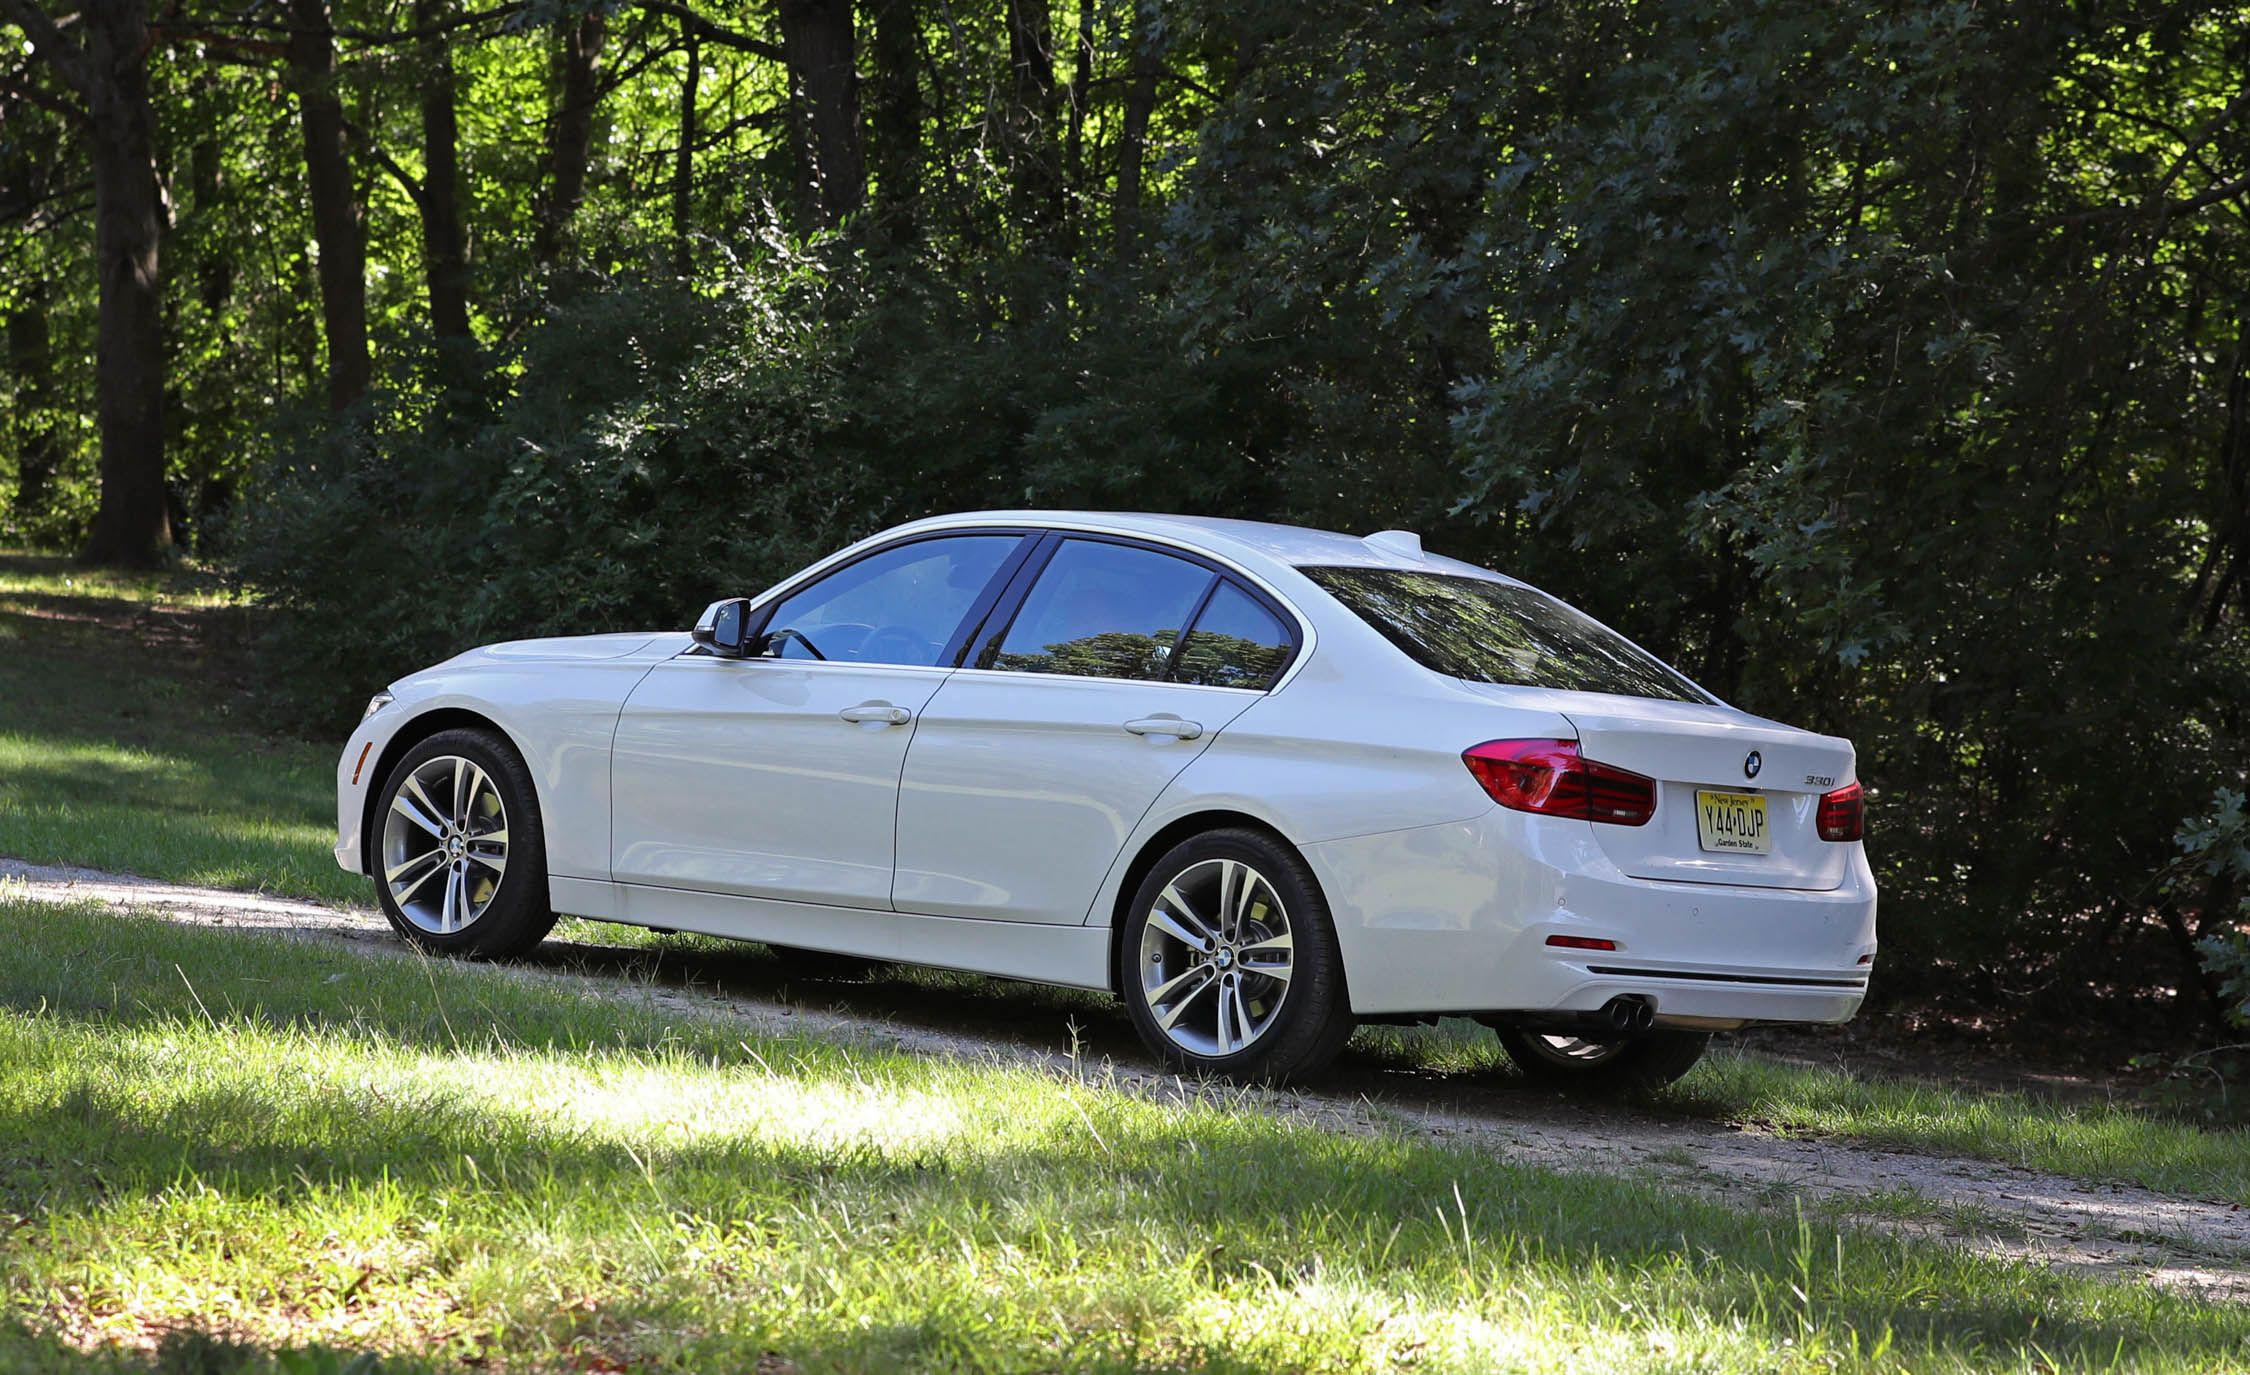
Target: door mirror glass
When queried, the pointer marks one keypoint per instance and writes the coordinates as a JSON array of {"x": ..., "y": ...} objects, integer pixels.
[{"x": 724, "y": 628}]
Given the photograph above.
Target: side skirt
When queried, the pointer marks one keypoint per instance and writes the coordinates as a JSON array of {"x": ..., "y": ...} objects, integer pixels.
[{"x": 1072, "y": 956}]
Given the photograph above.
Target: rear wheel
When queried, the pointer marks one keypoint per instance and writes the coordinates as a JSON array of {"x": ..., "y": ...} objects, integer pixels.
[
  {"x": 1228, "y": 961},
  {"x": 461, "y": 857},
  {"x": 1642, "y": 1064}
]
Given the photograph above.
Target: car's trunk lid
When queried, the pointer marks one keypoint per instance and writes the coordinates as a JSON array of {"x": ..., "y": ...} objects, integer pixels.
[{"x": 1692, "y": 748}]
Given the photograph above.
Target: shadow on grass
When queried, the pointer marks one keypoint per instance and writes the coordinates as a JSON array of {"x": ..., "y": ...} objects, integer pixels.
[{"x": 183, "y": 1351}]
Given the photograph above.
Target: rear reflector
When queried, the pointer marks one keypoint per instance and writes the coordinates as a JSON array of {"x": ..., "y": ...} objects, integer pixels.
[
  {"x": 1581, "y": 943},
  {"x": 1551, "y": 778},
  {"x": 1843, "y": 814}
]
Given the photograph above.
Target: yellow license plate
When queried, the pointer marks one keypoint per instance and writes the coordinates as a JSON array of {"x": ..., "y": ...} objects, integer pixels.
[{"x": 1732, "y": 823}]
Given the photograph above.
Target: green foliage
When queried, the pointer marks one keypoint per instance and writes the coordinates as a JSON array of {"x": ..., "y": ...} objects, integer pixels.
[{"x": 2215, "y": 848}]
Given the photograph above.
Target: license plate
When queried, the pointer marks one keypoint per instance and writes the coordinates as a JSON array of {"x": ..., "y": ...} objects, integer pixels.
[{"x": 1732, "y": 823}]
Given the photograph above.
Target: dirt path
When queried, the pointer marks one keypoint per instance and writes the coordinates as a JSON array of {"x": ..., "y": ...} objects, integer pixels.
[{"x": 2114, "y": 1230}]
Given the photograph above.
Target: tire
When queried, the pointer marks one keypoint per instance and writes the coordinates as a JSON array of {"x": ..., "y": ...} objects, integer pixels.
[
  {"x": 1643, "y": 1064},
  {"x": 1170, "y": 965},
  {"x": 460, "y": 866}
]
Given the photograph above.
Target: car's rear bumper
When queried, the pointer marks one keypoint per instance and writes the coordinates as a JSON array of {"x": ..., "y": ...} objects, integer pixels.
[{"x": 1455, "y": 918}]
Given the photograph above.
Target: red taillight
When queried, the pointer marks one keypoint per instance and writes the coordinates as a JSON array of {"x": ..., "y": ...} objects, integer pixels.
[
  {"x": 1581, "y": 943},
  {"x": 1843, "y": 814},
  {"x": 1550, "y": 777}
]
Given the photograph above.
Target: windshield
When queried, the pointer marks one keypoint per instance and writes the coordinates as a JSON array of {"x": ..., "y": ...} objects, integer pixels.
[{"x": 1497, "y": 632}]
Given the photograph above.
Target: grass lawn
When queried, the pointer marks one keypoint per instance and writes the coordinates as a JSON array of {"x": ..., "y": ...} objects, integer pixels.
[
  {"x": 277, "y": 1145},
  {"x": 124, "y": 745}
]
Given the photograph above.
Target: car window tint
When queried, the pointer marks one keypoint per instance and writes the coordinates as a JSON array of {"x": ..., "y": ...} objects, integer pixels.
[
  {"x": 1495, "y": 632},
  {"x": 900, "y": 606},
  {"x": 1236, "y": 643},
  {"x": 1103, "y": 611}
]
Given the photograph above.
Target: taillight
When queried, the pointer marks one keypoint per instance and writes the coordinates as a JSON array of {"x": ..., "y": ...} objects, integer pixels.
[
  {"x": 1843, "y": 814},
  {"x": 1551, "y": 778},
  {"x": 1581, "y": 943}
]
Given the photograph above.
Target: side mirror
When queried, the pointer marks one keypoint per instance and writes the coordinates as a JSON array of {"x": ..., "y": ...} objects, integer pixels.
[{"x": 724, "y": 628}]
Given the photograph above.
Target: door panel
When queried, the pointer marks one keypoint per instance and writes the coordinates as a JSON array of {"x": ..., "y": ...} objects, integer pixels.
[
  {"x": 766, "y": 777},
  {"x": 1021, "y": 788}
]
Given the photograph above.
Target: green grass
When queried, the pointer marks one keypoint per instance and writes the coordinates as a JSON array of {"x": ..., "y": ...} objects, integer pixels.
[
  {"x": 2095, "y": 1141},
  {"x": 124, "y": 744},
  {"x": 279, "y": 1145}
]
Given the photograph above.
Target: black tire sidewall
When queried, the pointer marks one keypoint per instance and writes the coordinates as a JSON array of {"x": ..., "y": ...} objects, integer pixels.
[
  {"x": 1316, "y": 1017},
  {"x": 519, "y": 916}
]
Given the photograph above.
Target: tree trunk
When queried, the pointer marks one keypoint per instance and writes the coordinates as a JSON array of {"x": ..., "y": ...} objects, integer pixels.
[
  {"x": 1140, "y": 104},
  {"x": 336, "y": 220},
  {"x": 570, "y": 147},
  {"x": 1032, "y": 98},
  {"x": 445, "y": 241},
  {"x": 896, "y": 122},
  {"x": 818, "y": 44},
  {"x": 131, "y": 526},
  {"x": 31, "y": 357},
  {"x": 214, "y": 267},
  {"x": 683, "y": 160}
]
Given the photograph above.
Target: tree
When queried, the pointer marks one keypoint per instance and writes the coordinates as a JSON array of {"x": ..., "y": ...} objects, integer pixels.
[
  {"x": 818, "y": 42},
  {"x": 104, "y": 68},
  {"x": 570, "y": 138},
  {"x": 336, "y": 213}
]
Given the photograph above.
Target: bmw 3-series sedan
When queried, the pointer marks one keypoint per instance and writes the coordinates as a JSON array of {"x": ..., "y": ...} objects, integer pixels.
[{"x": 1261, "y": 782}]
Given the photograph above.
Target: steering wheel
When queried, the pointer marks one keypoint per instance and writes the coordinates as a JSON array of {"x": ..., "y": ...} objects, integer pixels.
[
  {"x": 777, "y": 636},
  {"x": 894, "y": 644}
]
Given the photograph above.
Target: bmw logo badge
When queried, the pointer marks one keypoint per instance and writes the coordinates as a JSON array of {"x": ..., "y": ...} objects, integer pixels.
[{"x": 1751, "y": 765}]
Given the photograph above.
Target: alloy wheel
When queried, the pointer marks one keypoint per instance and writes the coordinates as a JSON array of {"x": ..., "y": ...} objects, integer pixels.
[
  {"x": 445, "y": 844},
  {"x": 1217, "y": 953}
]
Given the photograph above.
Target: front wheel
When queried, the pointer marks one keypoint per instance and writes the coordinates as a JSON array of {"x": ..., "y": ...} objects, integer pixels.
[
  {"x": 1228, "y": 961},
  {"x": 1643, "y": 1064},
  {"x": 461, "y": 858}
]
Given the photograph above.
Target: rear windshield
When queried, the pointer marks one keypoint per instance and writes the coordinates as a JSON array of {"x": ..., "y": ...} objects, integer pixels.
[{"x": 1496, "y": 632}]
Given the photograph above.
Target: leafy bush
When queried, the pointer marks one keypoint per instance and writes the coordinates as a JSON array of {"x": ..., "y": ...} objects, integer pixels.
[
  {"x": 660, "y": 449},
  {"x": 2216, "y": 846}
]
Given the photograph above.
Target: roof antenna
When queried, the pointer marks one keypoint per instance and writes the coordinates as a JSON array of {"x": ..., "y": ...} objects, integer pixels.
[{"x": 1404, "y": 542}]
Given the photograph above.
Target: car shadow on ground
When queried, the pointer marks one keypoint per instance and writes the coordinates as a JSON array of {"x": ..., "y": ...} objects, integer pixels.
[{"x": 1456, "y": 1067}]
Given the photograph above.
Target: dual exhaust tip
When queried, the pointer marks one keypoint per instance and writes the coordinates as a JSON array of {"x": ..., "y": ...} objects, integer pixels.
[
  {"x": 1621, "y": 1018},
  {"x": 1627, "y": 1014}
]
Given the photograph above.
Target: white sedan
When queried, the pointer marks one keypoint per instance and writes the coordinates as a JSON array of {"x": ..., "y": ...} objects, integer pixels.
[{"x": 1261, "y": 782}]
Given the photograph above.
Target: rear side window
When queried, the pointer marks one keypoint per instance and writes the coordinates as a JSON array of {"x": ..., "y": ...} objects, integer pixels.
[
  {"x": 1103, "y": 611},
  {"x": 1236, "y": 643},
  {"x": 1496, "y": 632}
]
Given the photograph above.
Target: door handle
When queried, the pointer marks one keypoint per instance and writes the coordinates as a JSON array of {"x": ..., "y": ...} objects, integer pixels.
[
  {"x": 877, "y": 711},
  {"x": 1165, "y": 725}
]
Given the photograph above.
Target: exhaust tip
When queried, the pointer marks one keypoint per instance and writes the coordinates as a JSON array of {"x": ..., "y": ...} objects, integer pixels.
[{"x": 1629, "y": 1012}]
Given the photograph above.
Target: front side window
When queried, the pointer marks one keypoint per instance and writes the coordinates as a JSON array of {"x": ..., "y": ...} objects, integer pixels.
[
  {"x": 1496, "y": 632},
  {"x": 1236, "y": 643},
  {"x": 1103, "y": 610},
  {"x": 901, "y": 606}
]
